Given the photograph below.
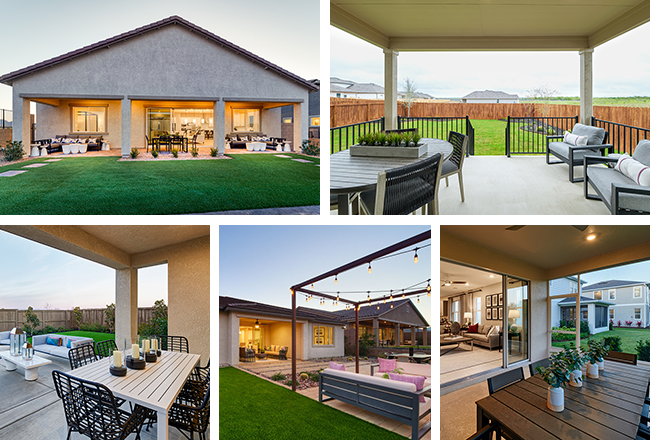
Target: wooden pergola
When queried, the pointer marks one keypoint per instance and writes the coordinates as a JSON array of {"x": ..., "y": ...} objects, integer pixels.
[{"x": 300, "y": 288}]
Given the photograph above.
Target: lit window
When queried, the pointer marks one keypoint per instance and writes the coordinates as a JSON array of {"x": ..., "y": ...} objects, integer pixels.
[
  {"x": 315, "y": 121},
  {"x": 612, "y": 294},
  {"x": 637, "y": 292},
  {"x": 288, "y": 120},
  {"x": 611, "y": 313},
  {"x": 323, "y": 335},
  {"x": 598, "y": 294},
  {"x": 246, "y": 120},
  {"x": 88, "y": 119}
]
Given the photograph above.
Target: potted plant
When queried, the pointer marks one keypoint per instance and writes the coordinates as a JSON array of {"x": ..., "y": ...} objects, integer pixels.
[
  {"x": 557, "y": 375},
  {"x": 595, "y": 354},
  {"x": 574, "y": 361}
]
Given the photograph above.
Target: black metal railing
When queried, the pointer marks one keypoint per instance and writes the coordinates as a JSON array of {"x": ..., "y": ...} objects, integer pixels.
[
  {"x": 342, "y": 137},
  {"x": 6, "y": 118},
  {"x": 439, "y": 127},
  {"x": 623, "y": 137},
  {"x": 527, "y": 135}
]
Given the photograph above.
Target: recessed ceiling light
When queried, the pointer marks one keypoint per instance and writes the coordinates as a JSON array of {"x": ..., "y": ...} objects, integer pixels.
[
  {"x": 591, "y": 237},
  {"x": 491, "y": 275}
]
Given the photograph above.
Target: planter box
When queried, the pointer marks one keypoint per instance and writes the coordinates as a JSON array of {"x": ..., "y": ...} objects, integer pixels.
[{"x": 376, "y": 151}]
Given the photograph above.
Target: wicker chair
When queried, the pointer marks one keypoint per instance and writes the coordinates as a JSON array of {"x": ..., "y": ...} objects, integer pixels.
[
  {"x": 91, "y": 410},
  {"x": 200, "y": 373},
  {"x": 404, "y": 189},
  {"x": 82, "y": 355},
  {"x": 105, "y": 348},
  {"x": 191, "y": 410},
  {"x": 246, "y": 355},
  {"x": 454, "y": 165},
  {"x": 174, "y": 343}
]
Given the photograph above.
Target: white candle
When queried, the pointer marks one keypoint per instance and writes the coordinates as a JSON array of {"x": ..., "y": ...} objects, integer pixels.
[
  {"x": 135, "y": 351},
  {"x": 145, "y": 348},
  {"x": 154, "y": 344},
  {"x": 117, "y": 359}
]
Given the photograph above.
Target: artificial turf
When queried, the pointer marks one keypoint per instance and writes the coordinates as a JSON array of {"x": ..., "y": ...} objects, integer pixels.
[
  {"x": 253, "y": 408},
  {"x": 102, "y": 185}
]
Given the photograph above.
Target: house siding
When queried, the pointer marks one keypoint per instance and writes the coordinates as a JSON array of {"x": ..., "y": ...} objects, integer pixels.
[{"x": 625, "y": 303}]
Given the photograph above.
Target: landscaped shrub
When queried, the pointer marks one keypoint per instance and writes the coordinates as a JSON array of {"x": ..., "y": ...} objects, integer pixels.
[
  {"x": 31, "y": 321},
  {"x": 614, "y": 342},
  {"x": 304, "y": 376},
  {"x": 214, "y": 152},
  {"x": 278, "y": 376},
  {"x": 366, "y": 341},
  {"x": 310, "y": 148},
  {"x": 194, "y": 151},
  {"x": 93, "y": 327},
  {"x": 584, "y": 329},
  {"x": 638, "y": 324},
  {"x": 13, "y": 151},
  {"x": 628, "y": 323},
  {"x": 643, "y": 350},
  {"x": 154, "y": 153},
  {"x": 158, "y": 324},
  {"x": 134, "y": 153},
  {"x": 77, "y": 314},
  {"x": 611, "y": 324},
  {"x": 110, "y": 316},
  {"x": 175, "y": 152}
]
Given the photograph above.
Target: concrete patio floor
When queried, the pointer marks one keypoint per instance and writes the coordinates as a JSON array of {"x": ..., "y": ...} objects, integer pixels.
[{"x": 32, "y": 410}]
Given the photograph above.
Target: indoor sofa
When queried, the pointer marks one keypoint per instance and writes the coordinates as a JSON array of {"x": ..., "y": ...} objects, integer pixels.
[
  {"x": 40, "y": 344},
  {"x": 487, "y": 336}
]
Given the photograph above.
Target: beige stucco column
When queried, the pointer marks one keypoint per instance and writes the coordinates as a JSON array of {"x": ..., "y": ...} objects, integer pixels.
[
  {"x": 126, "y": 306},
  {"x": 300, "y": 125},
  {"x": 586, "y": 86},
  {"x": 398, "y": 339},
  {"x": 22, "y": 122},
  {"x": 126, "y": 126},
  {"x": 375, "y": 330},
  {"x": 424, "y": 336},
  {"x": 413, "y": 335},
  {"x": 390, "y": 88},
  {"x": 219, "y": 111}
]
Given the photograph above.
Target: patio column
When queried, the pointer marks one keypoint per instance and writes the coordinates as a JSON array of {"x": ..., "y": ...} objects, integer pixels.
[
  {"x": 424, "y": 336},
  {"x": 390, "y": 88},
  {"x": 300, "y": 125},
  {"x": 375, "y": 330},
  {"x": 398, "y": 340},
  {"x": 356, "y": 336},
  {"x": 22, "y": 122},
  {"x": 219, "y": 139},
  {"x": 126, "y": 305},
  {"x": 586, "y": 86},
  {"x": 126, "y": 126},
  {"x": 413, "y": 335}
]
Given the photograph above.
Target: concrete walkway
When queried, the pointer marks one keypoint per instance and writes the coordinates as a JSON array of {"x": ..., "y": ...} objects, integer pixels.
[{"x": 296, "y": 210}]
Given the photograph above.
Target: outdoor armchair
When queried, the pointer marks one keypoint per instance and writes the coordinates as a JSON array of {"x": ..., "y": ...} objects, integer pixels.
[
  {"x": 454, "y": 165},
  {"x": 191, "y": 410},
  {"x": 573, "y": 155}
]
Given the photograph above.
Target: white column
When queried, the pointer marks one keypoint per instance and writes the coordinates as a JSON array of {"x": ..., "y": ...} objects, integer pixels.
[
  {"x": 126, "y": 306},
  {"x": 22, "y": 122},
  {"x": 220, "y": 126},
  {"x": 300, "y": 125},
  {"x": 390, "y": 88},
  {"x": 126, "y": 126},
  {"x": 586, "y": 86}
]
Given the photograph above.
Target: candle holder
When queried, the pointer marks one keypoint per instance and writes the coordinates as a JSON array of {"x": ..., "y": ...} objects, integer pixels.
[
  {"x": 150, "y": 357},
  {"x": 116, "y": 371},
  {"x": 135, "y": 364}
]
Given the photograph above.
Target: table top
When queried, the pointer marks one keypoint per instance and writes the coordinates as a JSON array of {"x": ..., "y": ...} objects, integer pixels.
[
  {"x": 444, "y": 340},
  {"x": 36, "y": 361},
  {"x": 155, "y": 387},
  {"x": 350, "y": 174},
  {"x": 605, "y": 408}
]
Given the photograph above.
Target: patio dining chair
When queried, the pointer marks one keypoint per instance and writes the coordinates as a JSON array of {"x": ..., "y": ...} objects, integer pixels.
[
  {"x": 105, "y": 348},
  {"x": 82, "y": 355},
  {"x": 454, "y": 165},
  {"x": 174, "y": 343},
  {"x": 405, "y": 189},
  {"x": 495, "y": 383},
  {"x": 150, "y": 143},
  {"x": 617, "y": 356},
  {"x": 486, "y": 433},
  {"x": 191, "y": 411},
  {"x": 544, "y": 363},
  {"x": 91, "y": 410}
]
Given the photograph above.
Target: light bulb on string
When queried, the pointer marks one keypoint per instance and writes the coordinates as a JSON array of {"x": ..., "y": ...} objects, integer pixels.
[
  {"x": 337, "y": 296},
  {"x": 369, "y": 268},
  {"x": 429, "y": 288},
  {"x": 312, "y": 286},
  {"x": 336, "y": 279},
  {"x": 418, "y": 300},
  {"x": 384, "y": 300},
  {"x": 391, "y": 305},
  {"x": 415, "y": 258},
  {"x": 403, "y": 296},
  {"x": 369, "y": 295}
]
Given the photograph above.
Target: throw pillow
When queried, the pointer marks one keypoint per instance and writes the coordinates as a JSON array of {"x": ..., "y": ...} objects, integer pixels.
[
  {"x": 472, "y": 328},
  {"x": 417, "y": 380},
  {"x": 638, "y": 172},
  {"x": 623, "y": 160},
  {"x": 386, "y": 365},
  {"x": 53, "y": 341},
  {"x": 486, "y": 329},
  {"x": 69, "y": 344},
  {"x": 573, "y": 139},
  {"x": 335, "y": 366}
]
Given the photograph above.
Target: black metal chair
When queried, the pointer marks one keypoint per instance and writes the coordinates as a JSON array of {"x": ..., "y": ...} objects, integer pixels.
[
  {"x": 200, "y": 374},
  {"x": 486, "y": 433},
  {"x": 174, "y": 343},
  {"x": 454, "y": 165},
  {"x": 405, "y": 189},
  {"x": 617, "y": 356},
  {"x": 151, "y": 143},
  {"x": 504, "y": 379},
  {"x": 544, "y": 363},
  {"x": 191, "y": 410},
  {"x": 105, "y": 348},
  {"x": 82, "y": 355},
  {"x": 91, "y": 410}
]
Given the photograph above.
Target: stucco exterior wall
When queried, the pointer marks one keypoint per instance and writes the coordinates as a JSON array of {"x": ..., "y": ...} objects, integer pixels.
[
  {"x": 406, "y": 315},
  {"x": 318, "y": 351},
  {"x": 271, "y": 122},
  {"x": 225, "y": 334}
]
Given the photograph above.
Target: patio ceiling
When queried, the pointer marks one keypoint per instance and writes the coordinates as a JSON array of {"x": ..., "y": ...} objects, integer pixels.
[{"x": 488, "y": 24}]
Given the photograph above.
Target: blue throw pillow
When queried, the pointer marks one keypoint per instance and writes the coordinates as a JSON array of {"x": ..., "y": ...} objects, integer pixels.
[
  {"x": 53, "y": 341},
  {"x": 69, "y": 344}
]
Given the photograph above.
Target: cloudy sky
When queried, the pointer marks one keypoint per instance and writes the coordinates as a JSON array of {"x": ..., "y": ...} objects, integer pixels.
[
  {"x": 261, "y": 263},
  {"x": 621, "y": 68},
  {"x": 37, "y": 30},
  {"x": 35, "y": 275}
]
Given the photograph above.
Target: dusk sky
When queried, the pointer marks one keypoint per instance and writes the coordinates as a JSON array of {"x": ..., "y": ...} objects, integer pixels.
[
  {"x": 35, "y": 275},
  {"x": 285, "y": 32},
  {"x": 620, "y": 68},
  {"x": 261, "y": 263}
]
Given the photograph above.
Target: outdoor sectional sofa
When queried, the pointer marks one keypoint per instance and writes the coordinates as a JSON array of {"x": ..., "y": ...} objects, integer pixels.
[
  {"x": 573, "y": 155},
  {"x": 407, "y": 369},
  {"x": 4, "y": 338},
  {"x": 39, "y": 342},
  {"x": 237, "y": 140},
  {"x": 389, "y": 398},
  {"x": 620, "y": 193},
  {"x": 56, "y": 144}
]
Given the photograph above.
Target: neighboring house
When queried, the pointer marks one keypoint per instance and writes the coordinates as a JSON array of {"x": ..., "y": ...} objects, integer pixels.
[
  {"x": 141, "y": 82},
  {"x": 564, "y": 285},
  {"x": 490, "y": 97},
  {"x": 630, "y": 300},
  {"x": 244, "y": 323},
  {"x": 340, "y": 88},
  {"x": 594, "y": 311}
]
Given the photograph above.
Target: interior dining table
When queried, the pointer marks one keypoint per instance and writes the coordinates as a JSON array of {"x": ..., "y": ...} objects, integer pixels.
[{"x": 354, "y": 174}]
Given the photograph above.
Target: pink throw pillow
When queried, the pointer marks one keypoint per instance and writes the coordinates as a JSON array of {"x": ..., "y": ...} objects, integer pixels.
[
  {"x": 417, "y": 380},
  {"x": 387, "y": 365},
  {"x": 335, "y": 366}
]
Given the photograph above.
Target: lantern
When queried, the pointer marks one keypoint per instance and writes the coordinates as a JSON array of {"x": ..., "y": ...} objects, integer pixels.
[
  {"x": 16, "y": 340},
  {"x": 28, "y": 351}
]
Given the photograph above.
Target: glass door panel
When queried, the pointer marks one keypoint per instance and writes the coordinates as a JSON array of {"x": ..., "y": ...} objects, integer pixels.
[
  {"x": 517, "y": 320},
  {"x": 158, "y": 122}
]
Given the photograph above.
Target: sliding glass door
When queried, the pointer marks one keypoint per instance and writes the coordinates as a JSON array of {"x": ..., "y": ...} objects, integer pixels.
[{"x": 516, "y": 316}]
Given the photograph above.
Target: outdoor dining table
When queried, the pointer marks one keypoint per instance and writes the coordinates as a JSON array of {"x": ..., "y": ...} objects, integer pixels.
[
  {"x": 605, "y": 408},
  {"x": 155, "y": 387},
  {"x": 353, "y": 174}
]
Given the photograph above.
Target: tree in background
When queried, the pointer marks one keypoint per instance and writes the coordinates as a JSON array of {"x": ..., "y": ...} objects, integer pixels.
[
  {"x": 540, "y": 93},
  {"x": 31, "y": 321},
  {"x": 158, "y": 324},
  {"x": 77, "y": 315},
  {"x": 110, "y": 316},
  {"x": 410, "y": 95}
]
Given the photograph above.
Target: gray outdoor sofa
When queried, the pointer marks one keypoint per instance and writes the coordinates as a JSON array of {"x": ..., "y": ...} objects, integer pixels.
[
  {"x": 573, "y": 155},
  {"x": 389, "y": 398},
  {"x": 39, "y": 342},
  {"x": 618, "y": 192},
  {"x": 4, "y": 338}
]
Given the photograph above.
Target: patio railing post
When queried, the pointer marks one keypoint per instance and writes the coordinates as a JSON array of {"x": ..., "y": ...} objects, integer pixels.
[
  {"x": 383, "y": 123},
  {"x": 399, "y": 122},
  {"x": 356, "y": 335},
  {"x": 508, "y": 136},
  {"x": 293, "y": 340}
]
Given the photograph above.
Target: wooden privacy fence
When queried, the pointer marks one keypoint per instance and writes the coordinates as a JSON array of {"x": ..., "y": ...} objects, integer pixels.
[{"x": 10, "y": 318}]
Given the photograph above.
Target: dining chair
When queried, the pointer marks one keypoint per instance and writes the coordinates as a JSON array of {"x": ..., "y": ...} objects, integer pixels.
[
  {"x": 91, "y": 409},
  {"x": 486, "y": 433},
  {"x": 174, "y": 343},
  {"x": 504, "y": 379},
  {"x": 405, "y": 189},
  {"x": 191, "y": 410},
  {"x": 105, "y": 348},
  {"x": 352, "y": 199},
  {"x": 454, "y": 165},
  {"x": 82, "y": 355},
  {"x": 544, "y": 363},
  {"x": 617, "y": 356},
  {"x": 200, "y": 374},
  {"x": 150, "y": 143}
]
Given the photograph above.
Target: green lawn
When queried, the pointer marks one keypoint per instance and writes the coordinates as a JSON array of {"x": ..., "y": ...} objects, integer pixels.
[
  {"x": 97, "y": 336},
  {"x": 253, "y": 408},
  {"x": 102, "y": 185},
  {"x": 629, "y": 337}
]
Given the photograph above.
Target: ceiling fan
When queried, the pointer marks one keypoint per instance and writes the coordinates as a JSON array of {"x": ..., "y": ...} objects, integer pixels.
[
  {"x": 518, "y": 227},
  {"x": 448, "y": 282}
]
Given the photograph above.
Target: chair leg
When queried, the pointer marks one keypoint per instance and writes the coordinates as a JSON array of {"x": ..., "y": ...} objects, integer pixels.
[
  {"x": 460, "y": 182},
  {"x": 447, "y": 180}
]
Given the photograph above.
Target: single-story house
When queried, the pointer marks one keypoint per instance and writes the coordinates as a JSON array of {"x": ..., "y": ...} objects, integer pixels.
[
  {"x": 490, "y": 97},
  {"x": 145, "y": 81},
  {"x": 594, "y": 311}
]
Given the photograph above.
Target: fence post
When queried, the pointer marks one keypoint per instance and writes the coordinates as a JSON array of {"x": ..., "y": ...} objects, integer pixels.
[
  {"x": 593, "y": 121},
  {"x": 508, "y": 136},
  {"x": 383, "y": 124}
]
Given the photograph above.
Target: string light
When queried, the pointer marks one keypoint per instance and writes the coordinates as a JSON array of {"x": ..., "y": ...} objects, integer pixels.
[
  {"x": 418, "y": 300},
  {"x": 369, "y": 268},
  {"x": 312, "y": 286},
  {"x": 369, "y": 295},
  {"x": 429, "y": 288},
  {"x": 377, "y": 306},
  {"x": 391, "y": 305},
  {"x": 336, "y": 279},
  {"x": 337, "y": 296},
  {"x": 415, "y": 258},
  {"x": 384, "y": 300},
  {"x": 403, "y": 296}
]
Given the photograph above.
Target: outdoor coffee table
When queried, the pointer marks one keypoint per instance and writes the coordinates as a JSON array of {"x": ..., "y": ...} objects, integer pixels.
[
  {"x": 457, "y": 340},
  {"x": 354, "y": 174},
  {"x": 260, "y": 355},
  {"x": 31, "y": 366}
]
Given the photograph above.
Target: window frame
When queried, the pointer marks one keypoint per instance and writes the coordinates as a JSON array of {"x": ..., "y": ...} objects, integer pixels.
[
  {"x": 635, "y": 310},
  {"x": 328, "y": 334},
  {"x": 634, "y": 292},
  {"x": 609, "y": 294},
  {"x": 246, "y": 116},
  {"x": 73, "y": 114}
]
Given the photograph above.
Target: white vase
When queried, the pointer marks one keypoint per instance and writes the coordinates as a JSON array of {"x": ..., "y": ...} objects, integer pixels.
[
  {"x": 592, "y": 370},
  {"x": 575, "y": 375},
  {"x": 555, "y": 399},
  {"x": 601, "y": 365}
]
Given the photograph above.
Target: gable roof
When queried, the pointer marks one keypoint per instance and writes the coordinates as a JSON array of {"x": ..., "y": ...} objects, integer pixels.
[
  {"x": 227, "y": 303},
  {"x": 609, "y": 284},
  {"x": 373, "y": 312},
  {"x": 173, "y": 20},
  {"x": 490, "y": 94}
]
